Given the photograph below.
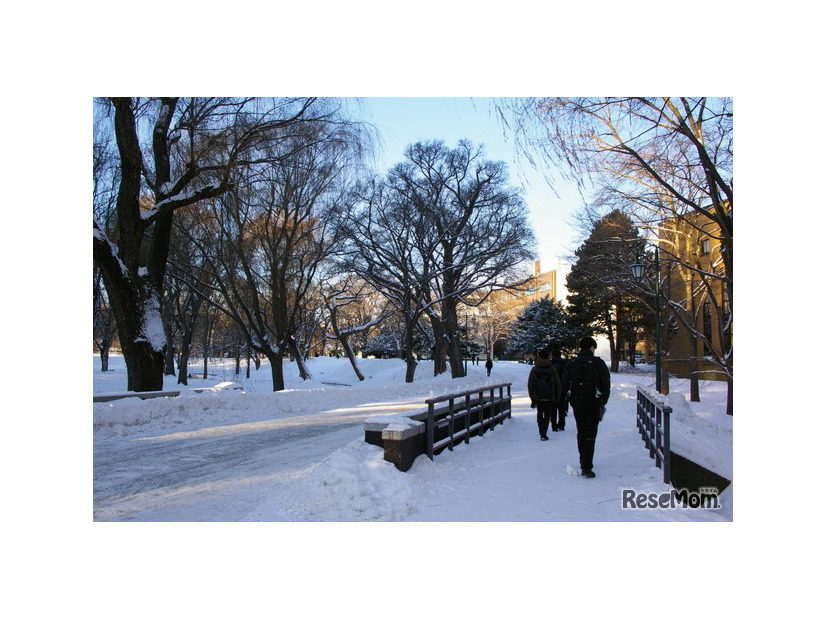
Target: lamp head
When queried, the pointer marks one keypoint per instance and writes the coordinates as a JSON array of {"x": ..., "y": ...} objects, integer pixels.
[{"x": 637, "y": 270}]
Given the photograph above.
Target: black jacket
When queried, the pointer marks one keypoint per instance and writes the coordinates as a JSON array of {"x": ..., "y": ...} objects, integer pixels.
[
  {"x": 543, "y": 363},
  {"x": 603, "y": 374}
]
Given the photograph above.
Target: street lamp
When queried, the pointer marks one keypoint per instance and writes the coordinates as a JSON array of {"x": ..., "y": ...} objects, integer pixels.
[{"x": 638, "y": 271}]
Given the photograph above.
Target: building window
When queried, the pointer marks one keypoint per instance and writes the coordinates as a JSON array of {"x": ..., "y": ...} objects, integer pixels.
[{"x": 705, "y": 247}]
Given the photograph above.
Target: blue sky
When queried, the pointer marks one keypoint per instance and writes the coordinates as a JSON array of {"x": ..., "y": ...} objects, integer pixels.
[{"x": 405, "y": 120}]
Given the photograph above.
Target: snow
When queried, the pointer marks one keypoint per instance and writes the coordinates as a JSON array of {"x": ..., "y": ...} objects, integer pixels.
[
  {"x": 505, "y": 475},
  {"x": 153, "y": 330},
  {"x": 320, "y": 525}
]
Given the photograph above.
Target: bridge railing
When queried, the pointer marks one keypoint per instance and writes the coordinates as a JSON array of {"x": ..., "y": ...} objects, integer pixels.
[
  {"x": 654, "y": 424},
  {"x": 446, "y": 422},
  {"x": 467, "y": 414}
]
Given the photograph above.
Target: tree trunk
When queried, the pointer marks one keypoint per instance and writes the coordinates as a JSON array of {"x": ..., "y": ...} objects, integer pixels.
[
  {"x": 439, "y": 346},
  {"x": 411, "y": 368},
  {"x": 169, "y": 362},
  {"x": 277, "y": 369},
  {"x": 454, "y": 350},
  {"x": 141, "y": 336},
  {"x": 183, "y": 361},
  {"x": 348, "y": 349},
  {"x": 694, "y": 381},
  {"x": 612, "y": 343},
  {"x": 344, "y": 339},
  {"x": 612, "y": 347},
  {"x": 410, "y": 359},
  {"x": 169, "y": 359},
  {"x": 303, "y": 371},
  {"x": 140, "y": 329},
  {"x": 144, "y": 367},
  {"x": 103, "y": 347},
  {"x": 453, "y": 338}
]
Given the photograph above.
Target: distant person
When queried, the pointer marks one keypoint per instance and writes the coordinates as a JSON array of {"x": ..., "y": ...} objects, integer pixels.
[
  {"x": 561, "y": 410},
  {"x": 545, "y": 391},
  {"x": 587, "y": 383},
  {"x": 489, "y": 365}
]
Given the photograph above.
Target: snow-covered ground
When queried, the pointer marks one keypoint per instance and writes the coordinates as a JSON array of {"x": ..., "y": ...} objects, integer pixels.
[
  {"x": 497, "y": 528},
  {"x": 253, "y": 455}
]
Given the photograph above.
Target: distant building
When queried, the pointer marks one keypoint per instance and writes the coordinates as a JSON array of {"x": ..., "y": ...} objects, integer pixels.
[
  {"x": 542, "y": 284},
  {"x": 502, "y": 307},
  {"x": 705, "y": 323}
]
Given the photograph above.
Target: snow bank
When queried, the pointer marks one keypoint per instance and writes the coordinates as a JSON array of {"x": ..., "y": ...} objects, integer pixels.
[
  {"x": 706, "y": 440},
  {"x": 354, "y": 481}
]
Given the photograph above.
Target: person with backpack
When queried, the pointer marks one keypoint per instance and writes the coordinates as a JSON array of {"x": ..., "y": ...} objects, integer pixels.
[
  {"x": 587, "y": 383},
  {"x": 561, "y": 410},
  {"x": 545, "y": 391}
]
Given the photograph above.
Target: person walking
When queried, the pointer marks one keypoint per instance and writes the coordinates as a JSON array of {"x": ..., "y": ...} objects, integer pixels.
[
  {"x": 545, "y": 391},
  {"x": 587, "y": 383},
  {"x": 489, "y": 365},
  {"x": 560, "y": 411}
]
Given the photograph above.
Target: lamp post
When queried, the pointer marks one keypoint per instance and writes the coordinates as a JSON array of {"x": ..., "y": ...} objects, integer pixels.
[{"x": 638, "y": 271}]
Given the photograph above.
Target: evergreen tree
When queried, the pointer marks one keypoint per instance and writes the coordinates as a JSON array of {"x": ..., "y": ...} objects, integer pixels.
[
  {"x": 598, "y": 281},
  {"x": 543, "y": 323}
]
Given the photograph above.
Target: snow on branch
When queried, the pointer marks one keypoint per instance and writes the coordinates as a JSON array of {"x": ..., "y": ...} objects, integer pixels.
[
  {"x": 106, "y": 244},
  {"x": 183, "y": 199}
]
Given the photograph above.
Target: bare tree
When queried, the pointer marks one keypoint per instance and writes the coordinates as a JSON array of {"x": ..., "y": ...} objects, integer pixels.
[
  {"x": 345, "y": 322},
  {"x": 480, "y": 226},
  {"x": 104, "y": 330},
  {"x": 104, "y": 192},
  {"x": 189, "y": 286},
  {"x": 390, "y": 245},
  {"x": 494, "y": 320},
  {"x": 171, "y": 153},
  {"x": 661, "y": 159},
  {"x": 273, "y": 234}
]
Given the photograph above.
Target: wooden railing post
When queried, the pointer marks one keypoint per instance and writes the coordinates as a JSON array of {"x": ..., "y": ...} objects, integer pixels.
[
  {"x": 654, "y": 424},
  {"x": 430, "y": 422},
  {"x": 451, "y": 423},
  {"x": 667, "y": 445},
  {"x": 467, "y": 418}
]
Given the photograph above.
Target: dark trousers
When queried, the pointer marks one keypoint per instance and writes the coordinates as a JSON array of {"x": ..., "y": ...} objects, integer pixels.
[
  {"x": 587, "y": 422},
  {"x": 545, "y": 411},
  {"x": 558, "y": 415}
]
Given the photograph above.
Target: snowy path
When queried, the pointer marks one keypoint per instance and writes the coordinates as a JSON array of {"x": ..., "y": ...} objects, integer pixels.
[
  {"x": 260, "y": 471},
  {"x": 164, "y": 477},
  {"x": 146, "y": 479},
  {"x": 299, "y": 456}
]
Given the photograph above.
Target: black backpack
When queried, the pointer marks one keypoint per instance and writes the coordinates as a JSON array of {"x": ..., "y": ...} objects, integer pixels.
[
  {"x": 584, "y": 382},
  {"x": 544, "y": 384}
]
